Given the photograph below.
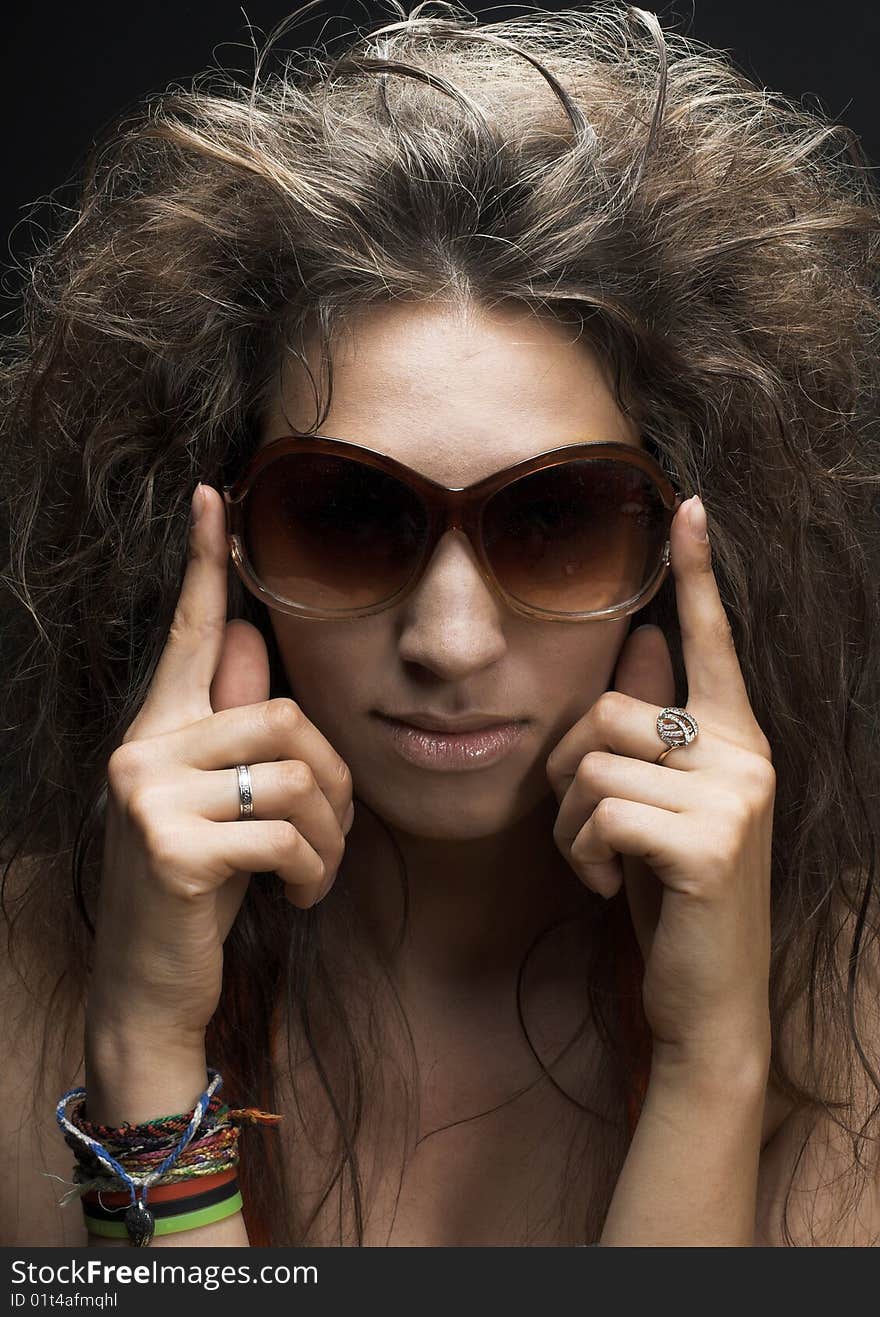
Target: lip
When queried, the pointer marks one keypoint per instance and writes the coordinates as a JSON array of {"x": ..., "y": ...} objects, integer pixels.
[
  {"x": 452, "y": 752},
  {"x": 430, "y": 723}
]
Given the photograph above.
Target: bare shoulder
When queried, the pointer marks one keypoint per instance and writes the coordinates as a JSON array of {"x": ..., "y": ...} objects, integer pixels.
[
  {"x": 32, "y": 1149},
  {"x": 824, "y": 1162}
]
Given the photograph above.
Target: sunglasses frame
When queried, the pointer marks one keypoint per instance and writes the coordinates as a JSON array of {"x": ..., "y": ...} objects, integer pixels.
[{"x": 447, "y": 508}]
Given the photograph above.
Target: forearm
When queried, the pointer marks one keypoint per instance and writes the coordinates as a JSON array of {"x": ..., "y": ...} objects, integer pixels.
[
  {"x": 691, "y": 1175},
  {"x": 135, "y": 1083}
]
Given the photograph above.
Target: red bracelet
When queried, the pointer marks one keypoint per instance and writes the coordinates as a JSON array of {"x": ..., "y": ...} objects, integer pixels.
[{"x": 161, "y": 1193}]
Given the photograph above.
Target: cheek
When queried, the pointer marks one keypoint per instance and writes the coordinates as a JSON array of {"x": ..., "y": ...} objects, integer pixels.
[
  {"x": 326, "y": 664},
  {"x": 579, "y": 663},
  {"x": 573, "y": 674}
]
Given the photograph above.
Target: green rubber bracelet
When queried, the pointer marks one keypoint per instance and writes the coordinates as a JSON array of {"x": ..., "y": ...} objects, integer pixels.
[{"x": 169, "y": 1225}]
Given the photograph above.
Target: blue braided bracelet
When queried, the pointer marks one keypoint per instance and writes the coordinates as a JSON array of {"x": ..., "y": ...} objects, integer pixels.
[{"x": 139, "y": 1220}]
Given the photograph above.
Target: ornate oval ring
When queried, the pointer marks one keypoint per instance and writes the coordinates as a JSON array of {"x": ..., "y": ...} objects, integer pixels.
[{"x": 675, "y": 727}]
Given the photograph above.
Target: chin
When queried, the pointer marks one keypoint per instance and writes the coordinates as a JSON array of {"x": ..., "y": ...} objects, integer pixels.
[{"x": 456, "y": 811}]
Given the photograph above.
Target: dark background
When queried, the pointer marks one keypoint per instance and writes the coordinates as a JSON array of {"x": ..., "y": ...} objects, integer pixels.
[{"x": 70, "y": 69}]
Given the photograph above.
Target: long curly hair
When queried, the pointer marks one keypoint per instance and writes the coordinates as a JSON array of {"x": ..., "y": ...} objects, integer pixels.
[{"x": 716, "y": 243}]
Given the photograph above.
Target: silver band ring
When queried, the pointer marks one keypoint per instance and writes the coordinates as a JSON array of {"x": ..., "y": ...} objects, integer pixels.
[
  {"x": 245, "y": 794},
  {"x": 675, "y": 727}
]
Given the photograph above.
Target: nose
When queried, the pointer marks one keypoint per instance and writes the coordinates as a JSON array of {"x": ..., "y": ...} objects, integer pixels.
[{"x": 452, "y": 622}]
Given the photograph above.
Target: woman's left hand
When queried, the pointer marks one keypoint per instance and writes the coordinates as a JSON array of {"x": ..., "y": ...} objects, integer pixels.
[{"x": 690, "y": 839}]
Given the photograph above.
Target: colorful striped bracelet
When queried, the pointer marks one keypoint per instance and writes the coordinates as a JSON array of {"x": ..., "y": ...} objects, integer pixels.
[{"x": 170, "y": 1215}]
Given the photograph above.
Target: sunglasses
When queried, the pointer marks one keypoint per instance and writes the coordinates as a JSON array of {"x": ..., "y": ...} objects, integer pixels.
[{"x": 323, "y": 528}]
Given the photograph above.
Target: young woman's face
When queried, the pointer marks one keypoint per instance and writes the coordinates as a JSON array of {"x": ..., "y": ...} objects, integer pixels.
[{"x": 455, "y": 397}]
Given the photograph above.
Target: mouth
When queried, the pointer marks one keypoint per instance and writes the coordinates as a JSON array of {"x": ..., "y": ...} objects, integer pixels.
[{"x": 452, "y": 751}]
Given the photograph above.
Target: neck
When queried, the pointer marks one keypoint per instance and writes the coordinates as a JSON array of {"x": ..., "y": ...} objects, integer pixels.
[{"x": 475, "y": 906}]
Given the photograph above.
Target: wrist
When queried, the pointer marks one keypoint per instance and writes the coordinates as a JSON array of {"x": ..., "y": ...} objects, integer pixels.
[
  {"x": 710, "y": 1070},
  {"x": 126, "y": 1011},
  {"x": 110, "y": 1027},
  {"x": 133, "y": 1078}
]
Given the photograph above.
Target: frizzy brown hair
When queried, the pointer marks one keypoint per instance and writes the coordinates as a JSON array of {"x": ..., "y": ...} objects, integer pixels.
[{"x": 716, "y": 244}]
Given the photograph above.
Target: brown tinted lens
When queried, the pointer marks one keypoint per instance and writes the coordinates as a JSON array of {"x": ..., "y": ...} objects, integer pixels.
[
  {"x": 327, "y": 532},
  {"x": 584, "y": 535}
]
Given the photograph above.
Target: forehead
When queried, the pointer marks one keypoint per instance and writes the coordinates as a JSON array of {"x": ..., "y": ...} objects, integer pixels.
[{"x": 456, "y": 394}]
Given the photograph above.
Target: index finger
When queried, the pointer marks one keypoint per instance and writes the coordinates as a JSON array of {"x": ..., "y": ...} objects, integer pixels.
[
  {"x": 180, "y": 690},
  {"x": 714, "y": 675}
]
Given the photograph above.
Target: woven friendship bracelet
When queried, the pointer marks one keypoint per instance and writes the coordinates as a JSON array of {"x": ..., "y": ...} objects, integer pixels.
[
  {"x": 217, "y": 1151},
  {"x": 160, "y": 1126},
  {"x": 150, "y": 1150},
  {"x": 163, "y": 1126},
  {"x": 194, "y": 1155},
  {"x": 139, "y": 1220},
  {"x": 213, "y": 1146},
  {"x": 144, "y": 1140}
]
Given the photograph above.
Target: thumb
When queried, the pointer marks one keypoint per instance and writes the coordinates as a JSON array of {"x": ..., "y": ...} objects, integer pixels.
[
  {"x": 242, "y": 673},
  {"x": 644, "y": 670},
  {"x": 241, "y": 677}
]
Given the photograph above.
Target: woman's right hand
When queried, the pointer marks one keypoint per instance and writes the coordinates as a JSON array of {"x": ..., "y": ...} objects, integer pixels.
[{"x": 177, "y": 857}]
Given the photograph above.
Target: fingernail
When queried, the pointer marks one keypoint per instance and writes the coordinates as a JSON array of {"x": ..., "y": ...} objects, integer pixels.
[
  {"x": 348, "y": 820},
  {"x": 697, "y": 519},
  {"x": 198, "y": 504}
]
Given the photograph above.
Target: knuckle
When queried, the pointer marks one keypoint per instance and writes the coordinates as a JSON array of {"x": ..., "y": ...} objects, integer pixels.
[
  {"x": 579, "y": 854},
  {"x": 720, "y": 633},
  {"x": 297, "y": 777},
  {"x": 292, "y": 851},
  {"x": 142, "y": 806},
  {"x": 610, "y": 708},
  {"x": 587, "y": 850},
  {"x": 120, "y": 769},
  {"x": 284, "y": 841},
  {"x": 580, "y": 842},
  {"x": 282, "y": 714},
  {"x": 763, "y": 777},
  {"x": 590, "y": 767},
  {"x": 757, "y": 789},
  {"x": 605, "y": 815},
  {"x": 190, "y": 626},
  {"x": 763, "y": 748}
]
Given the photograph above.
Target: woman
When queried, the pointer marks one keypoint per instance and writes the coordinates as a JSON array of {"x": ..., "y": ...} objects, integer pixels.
[{"x": 502, "y": 987}]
